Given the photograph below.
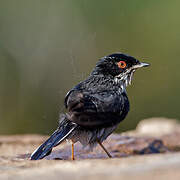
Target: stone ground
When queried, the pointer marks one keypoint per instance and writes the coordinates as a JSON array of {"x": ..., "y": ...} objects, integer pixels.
[{"x": 151, "y": 151}]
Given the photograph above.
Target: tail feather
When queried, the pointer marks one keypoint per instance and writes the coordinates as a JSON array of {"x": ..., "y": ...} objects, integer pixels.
[{"x": 64, "y": 130}]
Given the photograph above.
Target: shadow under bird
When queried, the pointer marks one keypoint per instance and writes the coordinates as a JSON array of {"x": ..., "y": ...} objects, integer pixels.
[{"x": 95, "y": 106}]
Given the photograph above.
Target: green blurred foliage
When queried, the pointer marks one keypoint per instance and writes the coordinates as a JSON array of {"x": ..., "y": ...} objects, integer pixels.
[{"x": 46, "y": 47}]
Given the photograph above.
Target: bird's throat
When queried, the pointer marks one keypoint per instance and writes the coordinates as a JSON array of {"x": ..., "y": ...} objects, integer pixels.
[{"x": 124, "y": 79}]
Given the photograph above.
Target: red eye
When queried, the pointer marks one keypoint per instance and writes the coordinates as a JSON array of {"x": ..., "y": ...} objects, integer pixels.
[{"x": 121, "y": 64}]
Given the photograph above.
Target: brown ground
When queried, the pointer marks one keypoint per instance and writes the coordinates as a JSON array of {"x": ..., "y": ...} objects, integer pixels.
[{"x": 150, "y": 151}]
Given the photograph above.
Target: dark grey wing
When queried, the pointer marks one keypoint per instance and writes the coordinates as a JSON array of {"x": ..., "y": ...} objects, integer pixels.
[
  {"x": 76, "y": 101},
  {"x": 100, "y": 109}
]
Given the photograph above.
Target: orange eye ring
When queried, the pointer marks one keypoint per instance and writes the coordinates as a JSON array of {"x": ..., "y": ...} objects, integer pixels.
[{"x": 121, "y": 64}]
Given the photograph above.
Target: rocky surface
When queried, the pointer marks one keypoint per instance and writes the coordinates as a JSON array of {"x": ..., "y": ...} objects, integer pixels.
[{"x": 150, "y": 151}]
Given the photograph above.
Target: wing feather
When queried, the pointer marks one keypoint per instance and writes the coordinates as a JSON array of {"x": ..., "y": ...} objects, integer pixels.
[{"x": 99, "y": 109}]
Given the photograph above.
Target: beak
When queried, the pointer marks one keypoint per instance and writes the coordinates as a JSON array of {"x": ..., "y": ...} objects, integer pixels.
[{"x": 141, "y": 64}]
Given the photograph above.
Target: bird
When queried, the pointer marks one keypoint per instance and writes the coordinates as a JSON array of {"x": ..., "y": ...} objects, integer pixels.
[{"x": 95, "y": 106}]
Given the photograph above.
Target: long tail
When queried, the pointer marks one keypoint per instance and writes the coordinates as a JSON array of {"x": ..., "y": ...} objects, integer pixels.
[{"x": 65, "y": 128}]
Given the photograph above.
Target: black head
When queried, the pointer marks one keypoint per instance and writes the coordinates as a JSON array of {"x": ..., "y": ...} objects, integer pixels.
[{"x": 118, "y": 66}]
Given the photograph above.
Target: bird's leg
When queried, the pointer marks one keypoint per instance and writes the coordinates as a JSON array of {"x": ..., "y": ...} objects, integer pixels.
[
  {"x": 99, "y": 142},
  {"x": 72, "y": 150}
]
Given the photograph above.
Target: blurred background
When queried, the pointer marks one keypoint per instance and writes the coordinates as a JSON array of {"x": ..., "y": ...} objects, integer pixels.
[{"x": 46, "y": 47}]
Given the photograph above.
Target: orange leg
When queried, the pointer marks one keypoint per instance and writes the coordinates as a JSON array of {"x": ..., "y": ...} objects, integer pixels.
[
  {"x": 72, "y": 151},
  {"x": 109, "y": 155}
]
